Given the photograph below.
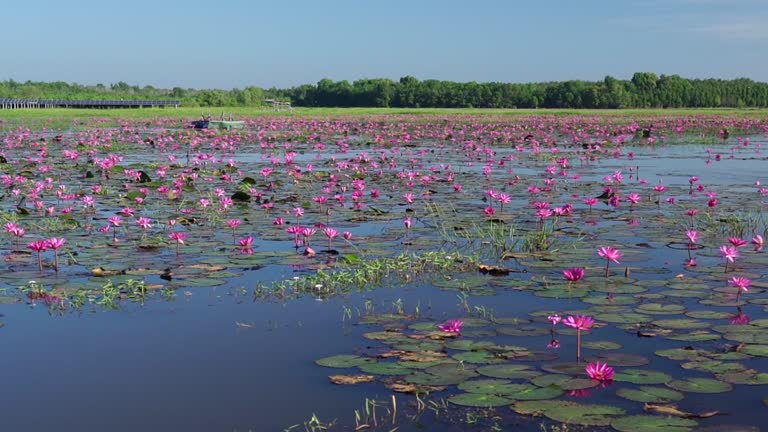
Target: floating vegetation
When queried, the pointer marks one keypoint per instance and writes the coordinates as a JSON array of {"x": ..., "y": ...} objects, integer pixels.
[{"x": 530, "y": 261}]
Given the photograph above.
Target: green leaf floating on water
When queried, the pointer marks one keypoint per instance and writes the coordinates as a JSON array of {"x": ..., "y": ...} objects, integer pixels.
[
  {"x": 642, "y": 376},
  {"x": 660, "y": 309},
  {"x": 713, "y": 366},
  {"x": 469, "y": 344},
  {"x": 344, "y": 361},
  {"x": 680, "y": 354},
  {"x": 538, "y": 393},
  {"x": 523, "y": 331},
  {"x": 650, "y": 394},
  {"x": 653, "y": 423},
  {"x": 749, "y": 377},
  {"x": 492, "y": 386},
  {"x": 707, "y": 314},
  {"x": 623, "y": 318},
  {"x": 756, "y": 350},
  {"x": 480, "y": 357},
  {"x": 570, "y": 412},
  {"x": 700, "y": 385},
  {"x": 682, "y": 323},
  {"x": 508, "y": 371},
  {"x": 479, "y": 400},
  {"x": 565, "y": 382},
  {"x": 423, "y": 326},
  {"x": 382, "y": 368},
  {"x": 695, "y": 336},
  {"x": 619, "y": 359},
  {"x": 443, "y": 374},
  {"x": 601, "y": 345}
]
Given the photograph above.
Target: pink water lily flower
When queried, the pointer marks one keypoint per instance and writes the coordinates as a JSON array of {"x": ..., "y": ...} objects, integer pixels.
[
  {"x": 579, "y": 322},
  {"x": 600, "y": 371},
  {"x": 758, "y": 241},
  {"x": 451, "y": 326},
  {"x": 741, "y": 283},
  {"x": 737, "y": 241},
  {"x": 729, "y": 253},
  {"x": 38, "y": 246},
  {"x": 573, "y": 274},
  {"x": 692, "y": 235},
  {"x": 179, "y": 238},
  {"x": 610, "y": 254}
]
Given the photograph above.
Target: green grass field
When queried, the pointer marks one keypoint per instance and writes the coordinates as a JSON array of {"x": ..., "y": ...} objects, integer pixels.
[{"x": 62, "y": 117}]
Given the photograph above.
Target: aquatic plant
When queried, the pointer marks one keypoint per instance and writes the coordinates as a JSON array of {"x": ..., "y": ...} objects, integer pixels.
[
  {"x": 610, "y": 254},
  {"x": 599, "y": 371},
  {"x": 580, "y": 323}
]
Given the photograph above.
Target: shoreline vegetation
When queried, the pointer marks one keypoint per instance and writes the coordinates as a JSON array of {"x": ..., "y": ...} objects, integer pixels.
[
  {"x": 643, "y": 90},
  {"x": 56, "y": 116}
]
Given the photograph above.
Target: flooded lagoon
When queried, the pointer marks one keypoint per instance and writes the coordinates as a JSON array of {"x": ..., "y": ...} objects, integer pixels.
[{"x": 214, "y": 280}]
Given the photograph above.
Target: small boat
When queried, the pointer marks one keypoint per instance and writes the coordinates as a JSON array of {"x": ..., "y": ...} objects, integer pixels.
[
  {"x": 209, "y": 123},
  {"x": 226, "y": 124}
]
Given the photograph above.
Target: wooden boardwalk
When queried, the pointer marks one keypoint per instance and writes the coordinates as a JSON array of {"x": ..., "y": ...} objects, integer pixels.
[{"x": 98, "y": 104}]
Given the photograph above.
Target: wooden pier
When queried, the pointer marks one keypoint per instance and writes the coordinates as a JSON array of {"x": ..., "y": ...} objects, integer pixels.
[{"x": 95, "y": 104}]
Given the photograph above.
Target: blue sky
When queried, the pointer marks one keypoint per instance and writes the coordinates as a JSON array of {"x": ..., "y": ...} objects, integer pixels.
[{"x": 237, "y": 43}]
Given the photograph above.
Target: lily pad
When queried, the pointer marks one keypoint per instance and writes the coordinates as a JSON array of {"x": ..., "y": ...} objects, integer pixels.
[
  {"x": 537, "y": 393},
  {"x": 749, "y": 377},
  {"x": 682, "y": 323},
  {"x": 680, "y": 354},
  {"x": 755, "y": 350},
  {"x": 523, "y": 331},
  {"x": 708, "y": 314},
  {"x": 623, "y": 318},
  {"x": 382, "y": 368},
  {"x": 480, "y": 357},
  {"x": 601, "y": 345},
  {"x": 570, "y": 412},
  {"x": 564, "y": 382},
  {"x": 344, "y": 361},
  {"x": 713, "y": 366},
  {"x": 491, "y": 386},
  {"x": 700, "y": 385},
  {"x": 652, "y": 423},
  {"x": 642, "y": 376},
  {"x": 695, "y": 336},
  {"x": 619, "y": 359},
  {"x": 660, "y": 309},
  {"x": 509, "y": 371},
  {"x": 650, "y": 394},
  {"x": 479, "y": 400}
]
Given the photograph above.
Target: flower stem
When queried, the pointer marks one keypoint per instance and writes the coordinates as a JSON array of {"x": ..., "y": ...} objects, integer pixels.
[{"x": 578, "y": 345}]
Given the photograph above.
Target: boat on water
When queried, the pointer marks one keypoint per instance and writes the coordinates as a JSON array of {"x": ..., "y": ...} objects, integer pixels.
[
  {"x": 226, "y": 124},
  {"x": 208, "y": 123}
]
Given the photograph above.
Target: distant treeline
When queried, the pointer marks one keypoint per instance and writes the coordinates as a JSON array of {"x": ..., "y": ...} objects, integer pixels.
[{"x": 644, "y": 90}]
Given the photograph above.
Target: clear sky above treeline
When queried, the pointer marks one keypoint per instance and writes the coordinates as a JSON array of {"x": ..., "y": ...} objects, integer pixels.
[{"x": 238, "y": 43}]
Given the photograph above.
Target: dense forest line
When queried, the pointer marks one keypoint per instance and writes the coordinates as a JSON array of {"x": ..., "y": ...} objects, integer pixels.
[{"x": 644, "y": 90}]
